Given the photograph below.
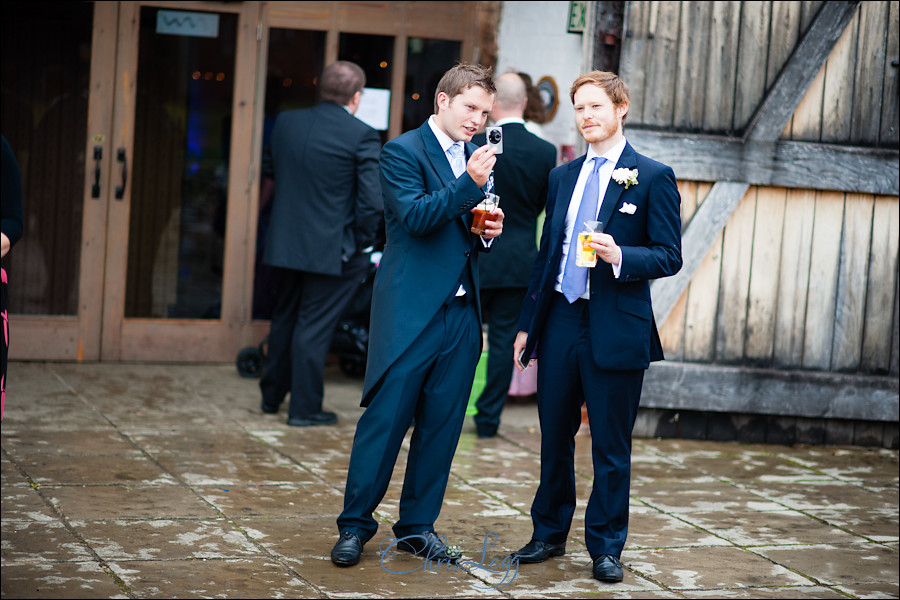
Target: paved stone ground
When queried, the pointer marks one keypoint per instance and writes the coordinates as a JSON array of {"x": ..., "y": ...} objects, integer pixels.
[{"x": 146, "y": 481}]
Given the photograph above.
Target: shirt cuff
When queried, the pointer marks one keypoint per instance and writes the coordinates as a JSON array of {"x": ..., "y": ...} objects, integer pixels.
[{"x": 617, "y": 269}]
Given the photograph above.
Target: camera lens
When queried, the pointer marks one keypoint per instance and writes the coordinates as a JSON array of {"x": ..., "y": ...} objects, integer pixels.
[{"x": 495, "y": 137}]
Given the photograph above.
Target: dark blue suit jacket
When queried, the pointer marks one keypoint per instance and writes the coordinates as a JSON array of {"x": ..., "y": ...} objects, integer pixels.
[
  {"x": 520, "y": 178},
  {"x": 327, "y": 201},
  {"x": 623, "y": 331},
  {"x": 428, "y": 244}
]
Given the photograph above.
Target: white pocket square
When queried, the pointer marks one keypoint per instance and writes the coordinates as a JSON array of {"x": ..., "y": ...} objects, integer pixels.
[{"x": 628, "y": 208}]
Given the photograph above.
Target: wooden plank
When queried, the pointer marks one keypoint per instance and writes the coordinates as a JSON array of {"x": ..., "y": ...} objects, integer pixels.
[
  {"x": 659, "y": 97},
  {"x": 706, "y": 225},
  {"x": 764, "y": 275},
  {"x": 869, "y": 76},
  {"x": 687, "y": 386},
  {"x": 693, "y": 41},
  {"x": 634, "y": 56},
  {"x": 882, "y": 286},
  {"x": 823, "y": 279},
  {"x": 718, "y": 111},
  {"x": 793, "y": 280},
  {"x": 889, "y": 135},
  {"x": 784, "y": 163},
  {"x": 301, "y": 15},
  {"x": 784, "y": 37},
  {"x": 806, "y": 122},
  {"x": 838, "y": 97},
  {"x": 808, "y": 11},
  {"x": 737, "y": 250},
  {"x": 895, "y": 335},
  {"x": 702, "y": 306},
  {"x": 688, "y": 190},
  {"x": 751, "y": 66},
  {"x": 671, "y": 332},
  {"x": 851, "y": 291},
  {"x": 793, "y": 81}
]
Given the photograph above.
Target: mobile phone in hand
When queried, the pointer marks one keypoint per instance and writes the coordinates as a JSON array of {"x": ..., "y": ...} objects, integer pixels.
[{"x": 521, "y": 360}]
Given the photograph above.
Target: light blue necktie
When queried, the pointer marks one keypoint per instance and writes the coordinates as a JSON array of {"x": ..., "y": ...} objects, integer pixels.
[
  {"x": 457, "y": 159},
  {"x": 575, "y": 278}
]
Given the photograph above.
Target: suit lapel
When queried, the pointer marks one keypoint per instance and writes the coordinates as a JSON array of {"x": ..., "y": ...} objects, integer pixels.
[
  {"x": 614, "y": 190},
  {"x": 436, "y": 155},
  {"x": 566, "y": 188}
]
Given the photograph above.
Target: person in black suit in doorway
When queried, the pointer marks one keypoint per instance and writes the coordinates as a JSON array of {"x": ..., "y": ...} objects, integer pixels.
[
  {"x": 520, "y": 179},
  {"x": 326, "y": 211}
]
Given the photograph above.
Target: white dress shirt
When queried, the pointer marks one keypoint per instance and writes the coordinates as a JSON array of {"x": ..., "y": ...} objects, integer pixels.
[
  {"x": 446, "y": 141},
  {"x": 604, "y": 174}
]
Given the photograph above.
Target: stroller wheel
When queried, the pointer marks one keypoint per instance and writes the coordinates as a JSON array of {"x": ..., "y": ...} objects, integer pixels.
[
  {"x": 250, "y": 362},
  {"x": 352, "y": 367}
]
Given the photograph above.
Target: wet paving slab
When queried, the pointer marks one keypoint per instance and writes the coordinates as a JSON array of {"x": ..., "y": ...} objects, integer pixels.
[{"x": 160, "y": 481}]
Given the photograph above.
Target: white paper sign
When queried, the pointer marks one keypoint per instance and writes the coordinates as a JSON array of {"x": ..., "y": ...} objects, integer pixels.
[{"x": 375, "y": 108}]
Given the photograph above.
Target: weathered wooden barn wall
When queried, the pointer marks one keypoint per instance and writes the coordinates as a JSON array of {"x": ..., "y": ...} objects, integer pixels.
[{"x": 802, "y": 280}]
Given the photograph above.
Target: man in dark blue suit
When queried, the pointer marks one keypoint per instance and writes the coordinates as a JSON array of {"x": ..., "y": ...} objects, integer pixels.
[
  {"x": 425, "y": 335},
  {"x": 520, "y": 178},
  {"x": 592, "y": 330},
  {"x": 327, "y": 210}
]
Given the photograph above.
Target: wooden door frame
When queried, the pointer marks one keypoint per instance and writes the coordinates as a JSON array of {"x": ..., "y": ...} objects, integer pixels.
[
  {"x": 402, "y": 20},
  {"x": 77, "y": 337},
  {"x": 181, "y": 340}
]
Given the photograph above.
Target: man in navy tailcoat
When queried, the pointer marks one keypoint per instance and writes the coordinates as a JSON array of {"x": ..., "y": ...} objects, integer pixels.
[{"x": 426, "y": 323}]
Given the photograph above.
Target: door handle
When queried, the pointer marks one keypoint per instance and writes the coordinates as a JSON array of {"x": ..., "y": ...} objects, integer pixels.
[
  {"x": 98, "y": 155},
  {"x": 120, "y": 189}
]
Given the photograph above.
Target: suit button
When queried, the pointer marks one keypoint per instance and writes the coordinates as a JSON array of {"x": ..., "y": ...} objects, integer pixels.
[{"x": 468, "y": 253}]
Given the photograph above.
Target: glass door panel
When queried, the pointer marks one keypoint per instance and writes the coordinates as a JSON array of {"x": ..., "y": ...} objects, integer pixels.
[
  {"x": 296, "y": 57},
  {"x": 45, "y": 81},
  {"x": 185, "y": 91},
  {"x": 426, "y": 62},
  {"x": 375, "y": 54}
]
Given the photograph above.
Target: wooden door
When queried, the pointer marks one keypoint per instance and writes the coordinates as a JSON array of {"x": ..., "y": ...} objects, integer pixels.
[{"x": 179, "y": 181}]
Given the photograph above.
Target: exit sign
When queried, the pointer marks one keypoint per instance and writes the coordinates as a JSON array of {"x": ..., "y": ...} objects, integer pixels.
[{"x": 578, "y": 16}]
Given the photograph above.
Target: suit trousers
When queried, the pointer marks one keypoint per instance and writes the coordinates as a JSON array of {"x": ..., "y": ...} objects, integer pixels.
[
  {"x": 501, "y": 308},
  {"x": 429, "y": 383},
  {"x": 308, "y": 307},
  {"x": 567, "y": 378}
]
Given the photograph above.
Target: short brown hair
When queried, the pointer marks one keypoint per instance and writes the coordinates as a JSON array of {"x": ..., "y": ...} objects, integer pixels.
[
  {"x": 610, "y": 83},
  {"x": 339, "y": 81},
  {"x": 461, "y": 77}
]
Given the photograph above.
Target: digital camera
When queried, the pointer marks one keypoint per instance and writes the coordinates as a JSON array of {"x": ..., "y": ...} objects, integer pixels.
[{"x": 494, "y": 137}]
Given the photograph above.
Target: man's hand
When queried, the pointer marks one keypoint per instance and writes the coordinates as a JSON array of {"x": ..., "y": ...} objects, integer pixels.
[
  {"x": 480, "y": 165},
  {"x": 493, "y": 227},
  {"x": 606, "y": 248},
  {"x": 519, "y": 347}
]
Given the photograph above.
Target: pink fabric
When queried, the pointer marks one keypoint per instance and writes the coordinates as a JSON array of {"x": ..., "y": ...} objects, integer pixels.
[{"x": 524, "y": 383}]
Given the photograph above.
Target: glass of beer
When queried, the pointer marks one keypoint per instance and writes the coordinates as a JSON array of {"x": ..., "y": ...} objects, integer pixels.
[
  {"x": 483, "y": 211},
  {"x": 586, "y": 255}
]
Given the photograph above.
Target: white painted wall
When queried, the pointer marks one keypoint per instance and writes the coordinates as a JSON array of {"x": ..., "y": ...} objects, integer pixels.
[{"x": 533, "y": 39}]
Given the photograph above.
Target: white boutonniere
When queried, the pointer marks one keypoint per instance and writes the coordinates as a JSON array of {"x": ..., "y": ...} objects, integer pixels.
[
  {"x": 626, "y": 177},
  {"x": 627, "y": 208}
]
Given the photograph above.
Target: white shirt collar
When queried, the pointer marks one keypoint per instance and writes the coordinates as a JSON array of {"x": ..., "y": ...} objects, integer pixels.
[
  {"x": 612, "y": 155},
  {"x": 443, "y": 139},
  {"x": 509, "y": 120}
]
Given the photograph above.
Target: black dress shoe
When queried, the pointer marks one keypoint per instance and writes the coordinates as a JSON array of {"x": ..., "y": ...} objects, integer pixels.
[
  {"x": 348, "y": 549},
  {"x": 537, "y": 551},
  {"x": 320, "y": 418},
  {"x": 269, "y": 409},
  {"x": 429, "y": 546},
  {"x": 608, "y": 568}
]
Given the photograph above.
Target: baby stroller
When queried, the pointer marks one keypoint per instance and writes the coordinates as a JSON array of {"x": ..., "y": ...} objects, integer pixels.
[{"x": 350, "y": 342}]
